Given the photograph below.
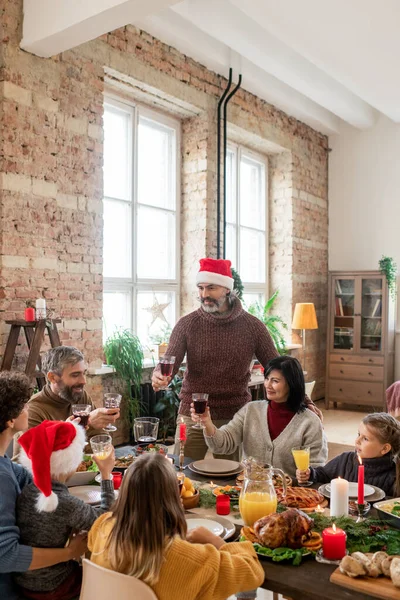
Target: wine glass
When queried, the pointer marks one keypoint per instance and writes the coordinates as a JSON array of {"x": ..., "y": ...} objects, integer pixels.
[
  {"x": 101, "y": 446},
  {"x": 111, "y": 401},
  {"x": 145, "y": 429},
  {"x": 166, "y": 366},
  {"x": 200, "y": 405},
  {"x": 82, "y": 411},
  {"x": 301, "y": 455}
]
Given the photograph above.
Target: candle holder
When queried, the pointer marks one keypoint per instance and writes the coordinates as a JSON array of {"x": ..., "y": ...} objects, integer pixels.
[
  {"x": 319, "y": 557},
  {"x": 359, "y": 510},
  {"x": 181, "y": 455}
]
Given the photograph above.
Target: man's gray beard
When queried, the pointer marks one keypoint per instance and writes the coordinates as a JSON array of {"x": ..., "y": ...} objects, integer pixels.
[{"x": 67, "y": 395}]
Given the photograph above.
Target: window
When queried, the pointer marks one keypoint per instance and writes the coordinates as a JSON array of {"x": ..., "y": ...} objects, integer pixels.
[
  {"x": 246, "y": 219},
  {"x": 141, "y": 220}
]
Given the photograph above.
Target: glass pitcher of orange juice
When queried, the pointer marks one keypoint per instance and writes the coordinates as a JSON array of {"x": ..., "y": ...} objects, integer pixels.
[{"x": 257, "y": 496}]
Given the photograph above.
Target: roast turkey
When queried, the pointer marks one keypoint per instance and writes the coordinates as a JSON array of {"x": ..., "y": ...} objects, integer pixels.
[{"x": 283, "y": 529}]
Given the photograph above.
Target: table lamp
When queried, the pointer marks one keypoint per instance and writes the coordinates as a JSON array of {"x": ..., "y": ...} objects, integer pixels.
[{"x": 304, "y": 318}]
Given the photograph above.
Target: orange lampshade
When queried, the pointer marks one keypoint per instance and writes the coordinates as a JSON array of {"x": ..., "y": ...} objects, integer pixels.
[{"x": 304, "y": 316}]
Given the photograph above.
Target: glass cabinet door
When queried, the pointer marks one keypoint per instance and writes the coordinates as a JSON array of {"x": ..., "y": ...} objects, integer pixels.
[
  {"x": 371, "y": 314},
  {"x": 343, "y": 331}
]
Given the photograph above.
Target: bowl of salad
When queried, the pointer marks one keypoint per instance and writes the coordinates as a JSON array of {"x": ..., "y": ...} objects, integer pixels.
[
  {"x": 159, "y": 448},
  {"x": 85, "y": 473}
]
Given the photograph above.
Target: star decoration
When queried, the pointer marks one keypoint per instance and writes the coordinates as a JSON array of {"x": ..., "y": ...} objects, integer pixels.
[{"x": 157, "y": 311}]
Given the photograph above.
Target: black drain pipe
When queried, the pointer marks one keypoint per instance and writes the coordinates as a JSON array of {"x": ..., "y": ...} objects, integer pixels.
[
  {"x": 233, "y": 92},
  {"x": 221, "y": 100}
]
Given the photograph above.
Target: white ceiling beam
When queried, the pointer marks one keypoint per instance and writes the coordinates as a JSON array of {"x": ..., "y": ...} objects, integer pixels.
[
  {"x": 228, "y": 24},
  {"x": 181, "y": 34},
  {"x": 53, "y": 26}
]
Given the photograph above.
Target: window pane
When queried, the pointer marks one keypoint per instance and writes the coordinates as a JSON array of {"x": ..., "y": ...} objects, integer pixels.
[
  {"x": 156, "y": 242},
  {"x": 116, "y": 312},
  {"x": 156, "y": 165},
  {"x": 117, "y": 254},
  {"x": 252, "y": 255},
  {"x": 231, "y": 244},
  {"x": 231, "y": 187},
  {"x": 155, "y": 312},
  {"x": 249, "y": 299},
  {"x": 117, "y": 156},
  {"x": 252, "y": 193}
]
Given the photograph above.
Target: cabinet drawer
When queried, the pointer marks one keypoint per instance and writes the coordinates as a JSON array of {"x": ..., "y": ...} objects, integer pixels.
[
  {"x": 360, "y": 372},
  {"x": 356, "y": 392},
  {"x": 359, "y": 359}
]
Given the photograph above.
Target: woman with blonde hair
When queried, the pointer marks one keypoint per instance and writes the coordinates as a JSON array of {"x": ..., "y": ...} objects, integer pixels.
[{"x": 145, "y": 535}]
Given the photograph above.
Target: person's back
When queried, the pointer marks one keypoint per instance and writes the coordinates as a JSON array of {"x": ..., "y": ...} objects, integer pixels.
[{"x": 144, "y": 536}]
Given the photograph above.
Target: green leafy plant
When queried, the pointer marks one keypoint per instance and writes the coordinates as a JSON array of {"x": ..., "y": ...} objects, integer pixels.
[
  {"x": 168, "y": 404},
  {"x": 238, "y": 286},
  {"x": 388, "y": 267},
  {"x": 162, "y": 337},
  {"x": 124, "y": 352},
  {"x": 273, "y": 323}
]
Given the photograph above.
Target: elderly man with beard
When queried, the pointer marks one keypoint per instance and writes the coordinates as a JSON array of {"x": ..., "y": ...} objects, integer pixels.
[
  {"x": 65, "y": 370},
  {"x": 220, "y": 339}
]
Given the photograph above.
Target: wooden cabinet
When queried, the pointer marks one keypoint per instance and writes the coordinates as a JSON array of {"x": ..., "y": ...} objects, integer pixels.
[{"x": 361, "y": 331}]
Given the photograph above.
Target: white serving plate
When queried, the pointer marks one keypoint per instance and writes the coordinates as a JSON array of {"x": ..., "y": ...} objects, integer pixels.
[
  {"x": 209, "y": 524},
  {"x": 216, "y": 465},
  {"x": 90, "y": 494},
  {"x": 353, "y": 489},
  {"x": 82, "y": 478}
]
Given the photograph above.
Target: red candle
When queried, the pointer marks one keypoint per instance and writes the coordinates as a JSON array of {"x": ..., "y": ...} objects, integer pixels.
[
  {"x": 182, "y": 432},
  {"x": 334, "y": 543},
  {"x": 223, "y": 505},
  {"x": 360, "y": 482},
  {"x": 29, "y": 314}
]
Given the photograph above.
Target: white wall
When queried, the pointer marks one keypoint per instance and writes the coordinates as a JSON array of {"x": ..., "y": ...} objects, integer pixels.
[{"x": 364, "y": 200}]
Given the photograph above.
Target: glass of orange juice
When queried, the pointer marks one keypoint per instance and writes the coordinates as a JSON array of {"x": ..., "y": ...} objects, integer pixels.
[
  {"x": 301, "y": 455},
  {"x": 101, "y": 446},
  {"x": 254, "y": 505}
]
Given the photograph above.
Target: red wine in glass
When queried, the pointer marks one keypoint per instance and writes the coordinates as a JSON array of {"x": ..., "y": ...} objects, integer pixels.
[
  {"x": 166, "y": 369},
  {"x": 83, "y": 416},
  {"x": 200, "y": 406}
]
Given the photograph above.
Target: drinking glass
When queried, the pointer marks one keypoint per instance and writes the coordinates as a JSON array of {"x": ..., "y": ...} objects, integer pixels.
[
  {"x": 82, "y": 411},
  {"x": 111, "y": 401},
  {"x": 101, "y": 446},
  {"x": 145, "y": 429},
  {"x": 301, "y": 455},
  {"x": 200, "y": 405},
  {"x": 181, "y": 479},
  {"x": 166, "y": 366}
]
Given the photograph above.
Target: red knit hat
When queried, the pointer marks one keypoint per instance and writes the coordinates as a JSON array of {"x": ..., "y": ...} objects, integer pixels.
[
  {"x": 50, "y": 449},
  {"x": 217, "y": 271}
]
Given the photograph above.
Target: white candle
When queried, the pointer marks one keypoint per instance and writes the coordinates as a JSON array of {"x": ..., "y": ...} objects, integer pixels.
[
  {"x": 40, "y": 308},
  {"x": 339, "y": 497}
]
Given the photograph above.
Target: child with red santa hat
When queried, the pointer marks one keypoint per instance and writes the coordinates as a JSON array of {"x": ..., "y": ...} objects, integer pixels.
[{"x": 47, "y": 514}]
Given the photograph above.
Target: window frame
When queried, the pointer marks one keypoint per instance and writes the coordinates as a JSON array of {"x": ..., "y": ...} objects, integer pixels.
[
  {"x": 132, "y": 284},
  {"x": 238, "y": 151}
]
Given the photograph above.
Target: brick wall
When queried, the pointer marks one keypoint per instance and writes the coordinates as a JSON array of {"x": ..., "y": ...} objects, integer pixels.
[{"x": 51, "y": 177}]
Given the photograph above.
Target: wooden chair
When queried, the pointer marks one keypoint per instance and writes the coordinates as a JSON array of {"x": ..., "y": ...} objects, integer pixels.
[{"x": 103, "y": 584}]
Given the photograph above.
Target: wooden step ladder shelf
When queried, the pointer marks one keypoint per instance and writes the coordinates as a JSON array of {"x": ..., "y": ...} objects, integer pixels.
[{"x": 34, "y": 334}]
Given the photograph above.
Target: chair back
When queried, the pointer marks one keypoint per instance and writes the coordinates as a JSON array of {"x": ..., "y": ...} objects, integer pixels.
[
  {"x": 309, "y": 388},
  {"x": 103, "y": 584}
]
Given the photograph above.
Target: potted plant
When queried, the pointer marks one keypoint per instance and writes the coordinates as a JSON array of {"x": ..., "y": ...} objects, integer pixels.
[
  {"x": 124, "y": 352},
  {"x": 388, "y": 267},
  {"x": 273, "y": 323}
]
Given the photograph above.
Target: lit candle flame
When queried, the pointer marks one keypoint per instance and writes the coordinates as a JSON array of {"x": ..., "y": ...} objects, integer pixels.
[
  {"x": 359, "y": 459},
  {"x": 334, "y": 528},
  {"x": 212, "y": 485},
  {"x": 182, "y": 421}
]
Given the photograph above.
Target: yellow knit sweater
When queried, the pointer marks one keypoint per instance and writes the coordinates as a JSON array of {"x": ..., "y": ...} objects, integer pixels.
[{"x": 192, "y": 571}]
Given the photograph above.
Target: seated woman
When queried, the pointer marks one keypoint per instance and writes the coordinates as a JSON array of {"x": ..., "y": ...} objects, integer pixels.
[
  {"x": 269, "y": 429},
  {"x": 15, "y": 391},
  {"x": 145, "y": 536}
]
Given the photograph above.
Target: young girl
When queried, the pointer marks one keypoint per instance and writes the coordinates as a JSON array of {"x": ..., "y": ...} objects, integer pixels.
[
  {"x": 145, "y": 536},
  {"x": 378, "y": 445},
  {"x": 47, "y": 513}
]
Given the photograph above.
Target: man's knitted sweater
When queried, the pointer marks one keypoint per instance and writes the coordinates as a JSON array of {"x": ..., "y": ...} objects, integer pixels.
[
  {"x": 380, "y": 471},
  {"x": 219, "y": 351}
]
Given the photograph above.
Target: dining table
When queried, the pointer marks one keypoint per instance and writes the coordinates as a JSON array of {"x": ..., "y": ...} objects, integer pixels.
[{"x": 308, "y": 581}]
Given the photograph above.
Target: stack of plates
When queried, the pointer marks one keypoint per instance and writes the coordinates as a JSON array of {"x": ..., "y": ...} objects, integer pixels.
[{"x": 216, "y": 467}]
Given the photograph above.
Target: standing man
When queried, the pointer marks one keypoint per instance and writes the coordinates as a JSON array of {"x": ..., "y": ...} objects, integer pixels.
[
  {"x": 220, "y": 339},
  {"x": 65, "y": 370}
]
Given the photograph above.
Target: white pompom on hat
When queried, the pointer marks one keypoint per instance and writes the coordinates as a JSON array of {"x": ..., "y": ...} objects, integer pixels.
[
  {"x": 51, "y": 448},
  {"x": 216, "y": 271}
]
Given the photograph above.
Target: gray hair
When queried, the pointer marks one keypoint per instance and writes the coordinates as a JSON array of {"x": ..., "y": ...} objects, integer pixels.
[{"x": 56, "y": 359}]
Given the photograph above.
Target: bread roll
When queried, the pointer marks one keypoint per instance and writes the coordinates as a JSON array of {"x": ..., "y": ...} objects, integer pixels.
[
  {"x": 352, "y": 567},
  {"x": 395, "y": 572},
  {"x": 371, "y": 569},
  {"x": 385, "y": 565},
  {"x": 378, "y": 558}
]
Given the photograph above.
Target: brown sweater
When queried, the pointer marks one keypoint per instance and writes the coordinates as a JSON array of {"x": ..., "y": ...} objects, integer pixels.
[{"x": 219, "y": 352}]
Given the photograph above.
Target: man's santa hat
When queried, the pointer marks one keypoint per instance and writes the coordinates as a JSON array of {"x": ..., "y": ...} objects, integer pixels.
[
  {"x": 52, "y": 448},
  {"x": 217, "y": 271}
]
